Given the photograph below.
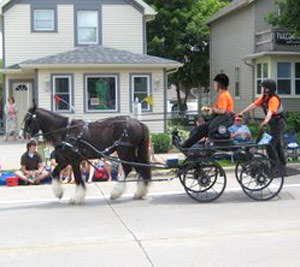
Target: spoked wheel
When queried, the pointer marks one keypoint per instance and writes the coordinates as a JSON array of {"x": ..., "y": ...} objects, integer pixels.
[
  {"x": 259, "y": 181},
  {"x": 244, "y": 161},
  {"x": 204, "y": 182}
]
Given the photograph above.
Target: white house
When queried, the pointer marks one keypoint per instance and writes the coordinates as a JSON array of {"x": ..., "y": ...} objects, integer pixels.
[{"x": 83, "y": 58}]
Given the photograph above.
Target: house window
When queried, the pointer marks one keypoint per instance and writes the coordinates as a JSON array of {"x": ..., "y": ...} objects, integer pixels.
[
  {"x": 262, "y": 73},
  {"x": 141, "y": 89},
  {"x": 62, "y": 93},
  {"x": 43, "y": 20},
  {"x": 237, "y": 82},
  {"x": 297, "y": 79},
  {"x": 101, "y": 93},
  {"x": 87, "y": 27},
  {"x": 284, "y": 78}
]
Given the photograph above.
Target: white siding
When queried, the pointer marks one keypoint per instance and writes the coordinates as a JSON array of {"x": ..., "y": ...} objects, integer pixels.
[
  {"x": 21, "y": 44},
  {"x": 122, "y": 27},
  {"x": 155, "y": 122}
]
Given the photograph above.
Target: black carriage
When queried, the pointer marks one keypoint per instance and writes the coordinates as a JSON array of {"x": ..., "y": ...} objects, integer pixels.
[{"x": 204, "y": 179}]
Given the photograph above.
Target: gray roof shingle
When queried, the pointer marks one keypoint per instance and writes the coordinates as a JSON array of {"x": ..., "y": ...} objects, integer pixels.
[{"x": 99, "y": 55}]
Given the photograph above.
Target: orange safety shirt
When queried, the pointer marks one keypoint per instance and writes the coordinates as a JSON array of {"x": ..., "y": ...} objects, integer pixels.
[
  {"x": 273, "y": 104},
  {"x": 225, "y": 101}
]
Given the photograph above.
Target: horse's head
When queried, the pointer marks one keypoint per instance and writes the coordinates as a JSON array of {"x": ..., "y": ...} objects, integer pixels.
[{"x": 31, "y": 124}]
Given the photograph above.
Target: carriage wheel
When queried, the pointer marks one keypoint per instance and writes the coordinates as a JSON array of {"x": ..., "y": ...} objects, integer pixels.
[
  {"x": 245, "y": 160},
  {"x": 259, "y": 181},
  {"x": 204, "y": 182}
]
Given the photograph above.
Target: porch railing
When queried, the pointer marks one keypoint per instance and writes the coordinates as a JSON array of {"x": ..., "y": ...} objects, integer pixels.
[{"x": 276, "y": 40}]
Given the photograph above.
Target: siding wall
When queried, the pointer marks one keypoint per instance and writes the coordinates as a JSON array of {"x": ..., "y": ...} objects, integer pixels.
[
  {"x": 122, "y": 28},
  {"x": 21, "y": 44},
  {"x": 231, "y": 40},
  {"x": 262, "y": 10},
  {"x": 158, "y": 95}
]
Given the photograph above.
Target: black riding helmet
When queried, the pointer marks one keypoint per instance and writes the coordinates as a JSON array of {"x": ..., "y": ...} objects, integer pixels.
[
  {"x": 270, "y": 84},
  {"x": 222, "y": 79}
]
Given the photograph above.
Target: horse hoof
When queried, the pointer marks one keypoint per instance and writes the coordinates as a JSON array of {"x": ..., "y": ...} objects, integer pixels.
[
  {"x": 138, "y": 197},
  {"x": 57, "y": 189},
  {"x": 79, "y": 196},
  {"x": 117, "y": 191},
  {"x": 76, "y": 201},
  {"x": 113, "y": 198},
  {"x": 141, "y": 192},
  {"x": 72, "y": 201}
]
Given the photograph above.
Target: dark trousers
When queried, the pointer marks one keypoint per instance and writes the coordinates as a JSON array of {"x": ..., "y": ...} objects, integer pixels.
[
  {"x": 195, "y": 135},
  {"x": 203, "y": 130},
  {"x": 276, "y": 151}
]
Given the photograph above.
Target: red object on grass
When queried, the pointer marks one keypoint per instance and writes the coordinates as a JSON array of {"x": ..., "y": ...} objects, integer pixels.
[{"x": 12, "y": 181}]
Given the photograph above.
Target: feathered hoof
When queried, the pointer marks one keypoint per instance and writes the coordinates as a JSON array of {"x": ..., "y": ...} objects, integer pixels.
[
  {"x": 57, "y": 189},
  {"x": 141, "y": 192},
  {"x": 117, "y": 191},
  {"x": 79, "y": 196}
]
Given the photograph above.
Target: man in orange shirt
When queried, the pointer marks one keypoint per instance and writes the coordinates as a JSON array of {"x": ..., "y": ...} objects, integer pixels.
[
  {"x": 220, "y": 113},
  {"x": 273, "y": 109}
]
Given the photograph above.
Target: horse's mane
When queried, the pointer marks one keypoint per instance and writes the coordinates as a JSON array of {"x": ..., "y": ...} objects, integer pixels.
[
  {"x": 50, "y": 114},
  {"x": 51, "y": 121}
]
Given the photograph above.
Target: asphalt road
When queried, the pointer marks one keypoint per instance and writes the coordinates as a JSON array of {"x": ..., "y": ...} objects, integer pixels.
[{"x": 166, "y": 229}]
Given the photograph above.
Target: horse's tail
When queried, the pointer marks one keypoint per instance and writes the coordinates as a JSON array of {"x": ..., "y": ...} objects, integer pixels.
[{"x": 143, "y": 153}]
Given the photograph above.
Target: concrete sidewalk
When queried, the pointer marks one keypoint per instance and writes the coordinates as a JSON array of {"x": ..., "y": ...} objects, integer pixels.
[{"x": 10, "y": 154}]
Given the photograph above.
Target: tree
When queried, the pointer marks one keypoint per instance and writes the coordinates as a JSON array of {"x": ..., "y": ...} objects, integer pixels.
[
  {"x": 288, "y": 18},
  {"x": 180, "y": 32}
]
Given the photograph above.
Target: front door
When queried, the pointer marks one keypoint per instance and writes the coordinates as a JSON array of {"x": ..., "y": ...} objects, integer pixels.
[{"x": 22, "y": 92}]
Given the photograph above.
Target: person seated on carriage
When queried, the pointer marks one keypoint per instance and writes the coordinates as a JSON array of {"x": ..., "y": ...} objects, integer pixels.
[
  {"x": 220, "y": 114},
  {"x": 32, "y": 170},
  {"x": 239, "y": 132},
  {"x": 200, "y": 121}
]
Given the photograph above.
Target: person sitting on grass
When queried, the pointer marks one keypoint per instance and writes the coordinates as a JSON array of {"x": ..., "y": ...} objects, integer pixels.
[
  {"x": 32, "y": 169},
  {"x": 66, "y": 174}
]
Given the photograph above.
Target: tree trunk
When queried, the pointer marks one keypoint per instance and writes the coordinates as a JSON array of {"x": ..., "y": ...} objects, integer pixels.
[{"x": 178, "y": 97}]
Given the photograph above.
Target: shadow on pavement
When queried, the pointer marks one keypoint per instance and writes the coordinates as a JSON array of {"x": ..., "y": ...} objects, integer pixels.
[
  {"x": 232, "y": 197},
  {"x": 292, "y": 171}
]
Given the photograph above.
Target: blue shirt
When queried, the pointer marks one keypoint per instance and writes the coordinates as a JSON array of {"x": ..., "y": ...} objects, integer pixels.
[{"x": 242, "y": 131}]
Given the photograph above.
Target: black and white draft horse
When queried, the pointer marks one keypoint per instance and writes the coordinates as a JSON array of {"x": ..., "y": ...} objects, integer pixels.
[{"x": 58, "y": 129}]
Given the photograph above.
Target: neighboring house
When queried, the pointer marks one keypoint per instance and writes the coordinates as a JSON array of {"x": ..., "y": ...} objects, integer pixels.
[
  {"x": 83, "y": 58},
  {"x": 247, "y": 48},
  {"x": 172, "y": 99}
]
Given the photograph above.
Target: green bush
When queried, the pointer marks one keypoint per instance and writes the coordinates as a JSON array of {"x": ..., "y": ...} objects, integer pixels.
[
  {"x": 254, "y": 129},
  {"x": 161, "y": 142},
  {"x": 293, "y": 121},
  {"x": 183, "y": 131},
  {"x": 298, "y": 137}
]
